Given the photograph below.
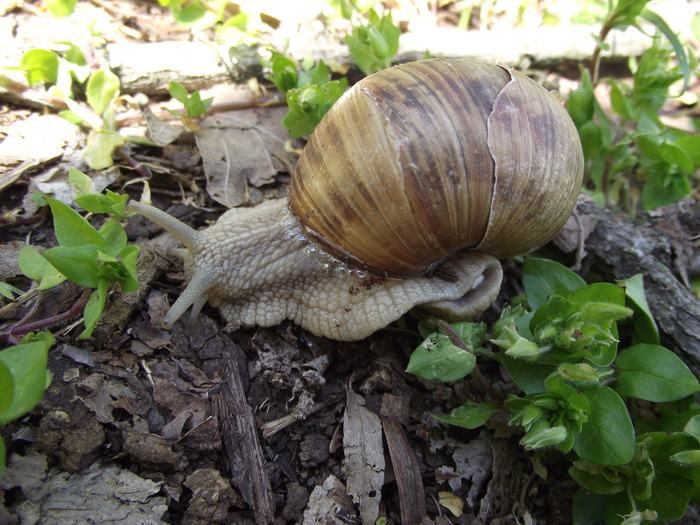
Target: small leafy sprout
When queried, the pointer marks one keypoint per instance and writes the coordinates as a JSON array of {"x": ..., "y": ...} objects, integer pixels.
[
  {"x": 23, "y": 379},
  {"x": 632, "y": 156},
  {"x": 193, "y": 104},
  {"x": 310, "y": 93},
  {"x": 373, "y": 45},
  {"x": 86, "y": 256},
  {"x": 562, "y": 352}
]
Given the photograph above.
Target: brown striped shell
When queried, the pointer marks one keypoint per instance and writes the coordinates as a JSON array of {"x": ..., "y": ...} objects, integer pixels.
[{"x": 419, "y": 161}]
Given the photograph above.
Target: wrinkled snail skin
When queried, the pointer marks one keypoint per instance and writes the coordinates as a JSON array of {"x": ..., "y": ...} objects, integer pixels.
[
  {"x": 251, "y": 266},
  {"x": 428, "y": 169}
]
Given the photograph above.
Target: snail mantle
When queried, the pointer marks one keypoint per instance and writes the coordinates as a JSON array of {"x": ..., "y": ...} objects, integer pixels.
[{"x": 410, "y": 187}]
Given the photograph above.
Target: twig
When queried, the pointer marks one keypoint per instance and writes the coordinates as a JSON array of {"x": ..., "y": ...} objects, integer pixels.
[{"x": 23, "y": 327}]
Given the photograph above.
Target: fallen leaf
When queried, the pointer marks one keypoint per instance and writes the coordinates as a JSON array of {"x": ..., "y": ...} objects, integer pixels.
[
  {"x": 451, "y": 502},
  {"x": 161, "y": 132},
  {"x": 364, "y": 456},
  {"x": 232, "y": 157},
  {"x": 329, "y": 504}
]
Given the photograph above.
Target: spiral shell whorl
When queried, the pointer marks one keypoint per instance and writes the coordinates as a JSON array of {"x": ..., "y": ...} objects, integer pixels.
[{"x": 422, "y": 160}]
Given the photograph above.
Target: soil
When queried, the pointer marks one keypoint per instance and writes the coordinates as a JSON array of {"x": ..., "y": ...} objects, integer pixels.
[{"x": 209, "y": 424}]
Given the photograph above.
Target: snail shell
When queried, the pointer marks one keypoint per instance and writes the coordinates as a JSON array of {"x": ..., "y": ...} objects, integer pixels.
[{"x": 425, "y": 159}]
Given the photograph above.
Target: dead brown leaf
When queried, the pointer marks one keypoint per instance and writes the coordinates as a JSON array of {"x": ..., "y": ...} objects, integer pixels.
[{"x": 364, "y": 456}]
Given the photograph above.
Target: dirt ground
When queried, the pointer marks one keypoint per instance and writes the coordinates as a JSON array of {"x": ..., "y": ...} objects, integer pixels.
[{"x": 206, "y": 424}]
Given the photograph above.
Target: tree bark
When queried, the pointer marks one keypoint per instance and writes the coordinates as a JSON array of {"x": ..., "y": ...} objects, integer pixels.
[{"x": 660, "y": 247}]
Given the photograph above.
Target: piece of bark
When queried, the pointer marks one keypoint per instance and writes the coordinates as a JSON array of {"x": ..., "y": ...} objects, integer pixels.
[
  {"x": 407, "y": 472},
  {"x": 212, "y": 496},
  {"x": 621, "y": 246},
  {"x": 244, "y": 455}
]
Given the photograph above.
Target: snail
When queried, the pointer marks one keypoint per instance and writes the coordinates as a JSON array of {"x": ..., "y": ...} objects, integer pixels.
[{"x": 409, "y": 190}]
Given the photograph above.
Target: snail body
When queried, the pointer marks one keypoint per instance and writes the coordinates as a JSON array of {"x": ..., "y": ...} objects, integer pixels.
[{"x": 409, "y": 188}]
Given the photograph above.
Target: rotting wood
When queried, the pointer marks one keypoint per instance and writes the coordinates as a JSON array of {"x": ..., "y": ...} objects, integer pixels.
[
  {"x": 244, "y": 456},
  {"x": 621, "y": 246},
  {"x": 407, "y": 472}
]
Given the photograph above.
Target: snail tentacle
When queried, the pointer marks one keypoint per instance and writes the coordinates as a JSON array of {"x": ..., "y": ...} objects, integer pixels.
[{"x": 179, "y": 230}]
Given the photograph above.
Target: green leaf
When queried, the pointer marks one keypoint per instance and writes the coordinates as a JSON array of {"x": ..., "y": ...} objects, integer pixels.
[
  {"x": 94, "y": 308},
  {"x": 9, "y": 291},
  {"x": 284, "y": 74},
  {"x": 471, "y": 334},
  {"x": 530, "y": 377},
  {"x": 692, "y": 427},
  {"x": 588, "y": 508},
  {"x": 77, "y": 263},
  {"x": 317, "y": 75},
  {"x": 544, "y": 437},
  {"x": 27, "y": 365},
  {"x": 178, "y": 92},
  {"x": 195, "y": 106},
  {"x": 39, "y": 269},
  {"x": 645, "y": 329},
  {"x": 83, "y": 184},
  {"x": 690, "y": 458},
  {"x": 469, "y": 415},
  {"x": 71, "y": 228},
  {"x": 100, "y": 146},
  {"x": 114, "y": 236},
  {"x": 620, "y": 101},
  {"x": 607, "y": 438},
  {"x": 653, "y": 373},
  {"x": 101, "y": 90},
  {"x": 690, "y": 144},
  {"x": 593, "y": 480},
  {"x": 129, "y": 282},
  {"x": 670, "y": 496},
  {"x": 61, "y": 8},
  {"x": 664, "y": 188},
  {"x": 543, "y": 277},
  {"x": 580, "y": 105},
  {"x": 7, "y": 387},
  {"x": 662, "y": 26},
  {"x": 40, "y": 65},
  {"x": 438, "y": 358}
]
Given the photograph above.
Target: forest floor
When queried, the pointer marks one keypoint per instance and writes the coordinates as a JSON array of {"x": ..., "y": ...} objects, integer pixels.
[{"x": 206, "y": 424}]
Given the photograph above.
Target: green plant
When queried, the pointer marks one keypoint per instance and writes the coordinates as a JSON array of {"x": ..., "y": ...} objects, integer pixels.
[
  {"x": 374, "y": 44},
  {"x": 23, "y": 379},
  {"x": 309, "y": 91},
  {"x": 69, "y": 70},
  {"x": 193, "y": 104},
  {"x": 559, "y": 344},
  {"x": 86, "y": 256},
  {"x": 631, "y": 154}
]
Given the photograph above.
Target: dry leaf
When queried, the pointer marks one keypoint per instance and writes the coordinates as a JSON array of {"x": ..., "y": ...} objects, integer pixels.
[
  {"x": 232, "y": 157},
  {"x": 329, "y": 504},
  {"x": 364, "y": 456},
  {"x": 451, "y": 502},
  {"x": 161, "y": 132}
]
